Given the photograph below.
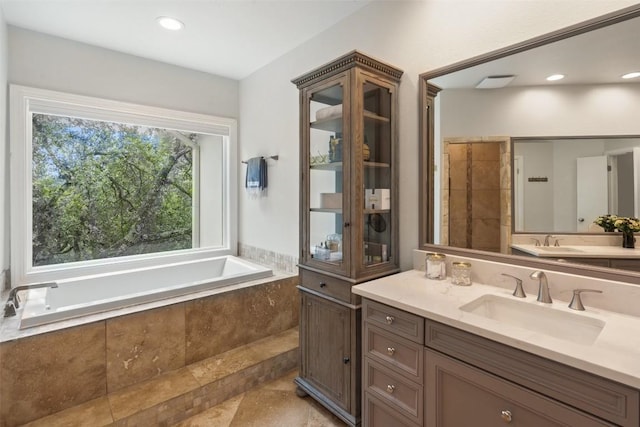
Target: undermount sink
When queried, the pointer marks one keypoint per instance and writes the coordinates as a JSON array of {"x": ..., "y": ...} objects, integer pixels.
[
  {"x": 557, "y": 249},
  {"x": 537, "y": 318}
]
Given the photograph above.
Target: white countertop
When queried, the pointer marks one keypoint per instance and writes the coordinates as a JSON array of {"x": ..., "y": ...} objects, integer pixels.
[
  {"x": 579, "y": 251},
  {"x": 615, "y": 353}
]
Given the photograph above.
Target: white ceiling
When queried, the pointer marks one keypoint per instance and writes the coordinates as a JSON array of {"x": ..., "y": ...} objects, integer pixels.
[
  {"x": 231, "y": 38},
  {"x": 596, "y": 57}
]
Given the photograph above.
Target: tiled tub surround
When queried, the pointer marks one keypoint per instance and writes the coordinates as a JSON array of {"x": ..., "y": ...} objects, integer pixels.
[
  {"x": 50, "y": 368},
  {"x": 614, "y": 354}
]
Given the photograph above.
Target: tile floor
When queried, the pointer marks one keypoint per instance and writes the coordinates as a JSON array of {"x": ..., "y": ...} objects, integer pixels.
[{"x": 272, "y": 404}]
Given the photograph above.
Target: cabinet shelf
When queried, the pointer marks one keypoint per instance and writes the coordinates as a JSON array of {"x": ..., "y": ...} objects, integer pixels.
[
  {"x": 326, "y": 210},
  {"x": 334, "y": 124}
]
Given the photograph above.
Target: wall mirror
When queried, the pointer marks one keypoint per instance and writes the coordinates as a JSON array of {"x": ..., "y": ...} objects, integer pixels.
[{"x": 495, "y": 108}]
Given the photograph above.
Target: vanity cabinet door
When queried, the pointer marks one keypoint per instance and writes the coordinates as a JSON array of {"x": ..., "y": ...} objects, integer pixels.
[{"x": 457, "y": 394}]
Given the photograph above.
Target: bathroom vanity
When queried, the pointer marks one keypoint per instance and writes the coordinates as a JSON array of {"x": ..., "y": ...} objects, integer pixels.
[
  {"x": 601, "y": 256},
  {"x": 435, "y": 354}
]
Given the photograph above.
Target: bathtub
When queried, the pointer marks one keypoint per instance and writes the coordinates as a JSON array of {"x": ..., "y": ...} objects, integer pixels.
[{"x": 103, "y": 292}]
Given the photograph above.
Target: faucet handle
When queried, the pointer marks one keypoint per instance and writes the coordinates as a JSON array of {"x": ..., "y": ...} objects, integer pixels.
[
  {"x": 557, "y": 242},
  {"x": 576, "y": 301},
  {"x": 535, "y": 241},
  {"x": 518, "y": 291}
]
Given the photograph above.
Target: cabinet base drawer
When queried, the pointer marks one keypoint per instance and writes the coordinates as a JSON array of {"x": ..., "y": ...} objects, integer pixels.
[
  {"x": 398, "y": 353},
  {"x": 401, "y": 323},
  {"x": 398, "y": 392},
  {"x": 376, "y": 413},
  {"x": 326, "y": 285}
]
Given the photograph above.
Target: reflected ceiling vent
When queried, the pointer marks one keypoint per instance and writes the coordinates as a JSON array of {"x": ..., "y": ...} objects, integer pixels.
[{"x": 495, "y": 82}]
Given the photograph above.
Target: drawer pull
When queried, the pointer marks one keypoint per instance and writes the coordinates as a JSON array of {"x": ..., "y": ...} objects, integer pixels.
[
  {"x": 390, "y": 319},
  {"x": 390, "y": 351},
  {"x": 391, "y": 388},
  {"x": 506, "y": 416},
  {"x": 322, "y": 284}
]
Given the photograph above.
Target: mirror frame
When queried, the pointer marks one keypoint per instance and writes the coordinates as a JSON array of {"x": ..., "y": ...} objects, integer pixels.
[{"x": 427, "y": 93}]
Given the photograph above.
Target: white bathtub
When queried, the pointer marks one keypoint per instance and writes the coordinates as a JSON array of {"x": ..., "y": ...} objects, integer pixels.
[{"x": 104, "y": 292}]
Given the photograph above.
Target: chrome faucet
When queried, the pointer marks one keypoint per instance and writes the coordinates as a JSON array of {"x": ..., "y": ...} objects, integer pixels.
[
  {"x": 14, "y": 302},
  {"x": 543, "y": 289},
  {"x": 546, "y": 239}
]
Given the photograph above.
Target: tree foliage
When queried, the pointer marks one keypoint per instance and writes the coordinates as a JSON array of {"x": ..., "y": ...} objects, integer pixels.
[{"x": 104, "y": 189}]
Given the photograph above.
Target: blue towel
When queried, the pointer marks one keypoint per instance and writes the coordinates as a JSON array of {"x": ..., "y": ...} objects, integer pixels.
[{"x": 256, "y": 179}]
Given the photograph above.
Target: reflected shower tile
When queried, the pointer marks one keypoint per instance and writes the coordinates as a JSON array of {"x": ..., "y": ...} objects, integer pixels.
[
  {"x": 485, "y": 175},
  {"x": 485, "y": 204}
]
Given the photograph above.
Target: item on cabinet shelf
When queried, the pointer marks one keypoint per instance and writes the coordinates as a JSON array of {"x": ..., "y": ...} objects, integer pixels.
[
  {"x": 320, "y": 159},
  {"x": 322, "y": 252},
  {"x": 335, "y": 256},
  {"x": 329, "y": 112},
  {"x": 436, "y": 266},
  {"x": 335, "y": 149},
  {"x": 461, "y": 273},
  {"x": 377, "y": 198},
  {"x": 334, "y": 242},
  {"x": 376, "y": 222},
  {"x": 366, "y": 151},
  {"x": 375, "y": 252},
  {"x": 331, "y": 200}
]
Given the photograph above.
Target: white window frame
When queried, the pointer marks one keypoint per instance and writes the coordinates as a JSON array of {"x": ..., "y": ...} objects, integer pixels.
[{"x": 26, "y": 100}]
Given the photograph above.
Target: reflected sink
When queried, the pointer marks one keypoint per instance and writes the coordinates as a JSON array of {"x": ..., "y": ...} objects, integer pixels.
[
  {"x": 537, "y": 318},
  {"x": 557, "y": 249}
]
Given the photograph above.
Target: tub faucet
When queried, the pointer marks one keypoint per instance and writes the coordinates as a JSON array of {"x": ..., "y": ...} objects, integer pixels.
[
  {"x": 546, "y": 239},
  {"x": 14, "y": 302},
  {"x": 543, "y": 289}
]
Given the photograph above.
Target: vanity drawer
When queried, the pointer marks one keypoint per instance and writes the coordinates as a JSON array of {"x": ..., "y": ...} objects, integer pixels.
[
  {"x": 376, "y": 413},
  {"x": 398, "y": 322},
  {"x": 326, "y": 285},
  {"x": 398, "y": 353},
  {"x": 400, "y": 393}
]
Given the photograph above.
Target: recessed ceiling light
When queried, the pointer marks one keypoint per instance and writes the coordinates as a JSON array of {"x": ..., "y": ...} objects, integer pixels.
[
  {"x": 555, "y": 77},
  {"x": 631, "y": 75},
  {"x": 169, "y": 23}
]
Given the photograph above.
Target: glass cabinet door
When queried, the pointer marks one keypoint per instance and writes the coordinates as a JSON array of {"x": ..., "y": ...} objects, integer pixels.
[
  {"x": 328, "y": 155},
  {"x": 377, "y": 174}
]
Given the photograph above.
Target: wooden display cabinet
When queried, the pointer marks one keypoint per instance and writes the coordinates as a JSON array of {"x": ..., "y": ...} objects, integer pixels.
[{"x": 348, "y": 217}]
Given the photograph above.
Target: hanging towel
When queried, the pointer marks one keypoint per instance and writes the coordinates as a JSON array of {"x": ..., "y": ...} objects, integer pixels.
[{"x": 256, "y": 179}]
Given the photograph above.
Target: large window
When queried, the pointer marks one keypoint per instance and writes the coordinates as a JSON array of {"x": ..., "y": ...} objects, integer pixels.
[{"x": 99, "y": 186}]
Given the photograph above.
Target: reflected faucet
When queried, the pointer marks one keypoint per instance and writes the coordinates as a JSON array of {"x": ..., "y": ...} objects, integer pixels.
[
  {"x": 543, "y": 288},
  {"x": 546, "y": 240},
  {"x": 14, "y": 302}
]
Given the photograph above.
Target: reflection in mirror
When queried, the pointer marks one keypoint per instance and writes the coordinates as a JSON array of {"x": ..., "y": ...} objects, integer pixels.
[
  {"x": 503, "y": 96},
  {"x": 562, "y": 185}
]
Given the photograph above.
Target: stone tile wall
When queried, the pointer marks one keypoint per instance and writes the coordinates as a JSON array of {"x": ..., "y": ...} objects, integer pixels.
[
  {"x": 277, "y": 261},
  {"x": 47, "y": 373}
]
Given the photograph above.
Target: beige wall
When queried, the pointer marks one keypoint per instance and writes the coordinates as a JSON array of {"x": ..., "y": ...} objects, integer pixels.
[{"x": 415, "y": 36}]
